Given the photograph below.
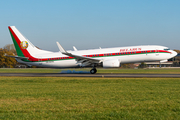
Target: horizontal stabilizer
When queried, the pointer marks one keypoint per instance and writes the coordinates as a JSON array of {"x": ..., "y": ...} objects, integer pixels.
[{"x": 22, "y": 58}]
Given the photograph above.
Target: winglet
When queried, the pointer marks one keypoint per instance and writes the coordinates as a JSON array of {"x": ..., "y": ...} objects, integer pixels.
[
  {"x": 62, "y": 50},
  {"x": 74, "y": 48}
]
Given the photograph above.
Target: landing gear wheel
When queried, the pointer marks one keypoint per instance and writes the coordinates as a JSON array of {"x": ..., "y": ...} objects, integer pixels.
[{"x": 93, "y": 71}]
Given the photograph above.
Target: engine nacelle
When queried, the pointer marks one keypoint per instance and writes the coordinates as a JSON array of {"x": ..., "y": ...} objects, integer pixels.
[{"x": 111, "y": 63}]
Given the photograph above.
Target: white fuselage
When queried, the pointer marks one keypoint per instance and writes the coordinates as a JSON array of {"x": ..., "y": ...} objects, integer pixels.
[{"x": 131, "y": 54}]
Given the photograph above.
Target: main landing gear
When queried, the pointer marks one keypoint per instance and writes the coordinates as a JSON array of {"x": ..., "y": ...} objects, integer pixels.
[{"x": 93, "y": 71}]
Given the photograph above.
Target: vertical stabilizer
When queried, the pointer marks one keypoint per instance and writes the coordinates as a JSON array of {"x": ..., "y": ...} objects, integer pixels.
[{"x": 24, "y": 47}]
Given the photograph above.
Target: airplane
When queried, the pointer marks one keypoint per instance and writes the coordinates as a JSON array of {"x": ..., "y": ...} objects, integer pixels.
[{"x": 30, "y": 55}]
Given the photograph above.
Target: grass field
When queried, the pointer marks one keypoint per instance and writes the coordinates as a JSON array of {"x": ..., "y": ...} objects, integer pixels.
[
  {"x": 89, "y": 98},
  {"x": 100, "y": 70}
]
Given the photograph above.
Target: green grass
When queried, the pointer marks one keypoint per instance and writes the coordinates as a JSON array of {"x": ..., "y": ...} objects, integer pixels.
[
  {"x": 89, "y": 98},
  {"x": 142, "y": 71},
  {"x": 29, "y": 70},
  {"x": 100, "y": 70}
]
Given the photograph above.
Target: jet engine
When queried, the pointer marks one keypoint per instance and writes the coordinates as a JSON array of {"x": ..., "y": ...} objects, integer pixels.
[{"x": 111, "y": 63}]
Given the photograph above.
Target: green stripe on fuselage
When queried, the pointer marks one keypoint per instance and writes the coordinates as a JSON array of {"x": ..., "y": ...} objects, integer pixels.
[{"x": 99, "y": 56}]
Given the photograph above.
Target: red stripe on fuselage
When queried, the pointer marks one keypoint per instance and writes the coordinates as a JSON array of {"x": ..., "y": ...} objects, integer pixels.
[{"x": 110, "y": 54}]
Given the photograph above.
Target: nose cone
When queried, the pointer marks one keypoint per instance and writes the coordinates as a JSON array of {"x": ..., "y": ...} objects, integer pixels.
[{"x": 173, "y": 53}]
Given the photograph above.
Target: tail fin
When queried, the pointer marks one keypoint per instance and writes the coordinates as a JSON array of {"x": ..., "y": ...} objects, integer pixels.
[{"x": 24, "y": 47}]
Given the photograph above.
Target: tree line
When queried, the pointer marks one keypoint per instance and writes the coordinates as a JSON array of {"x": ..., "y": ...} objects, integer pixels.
[{"x": 7, "y": 62}]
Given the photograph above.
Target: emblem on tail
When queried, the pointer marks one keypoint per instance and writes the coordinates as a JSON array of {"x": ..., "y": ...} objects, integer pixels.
[{"x": 24, "y": 44}]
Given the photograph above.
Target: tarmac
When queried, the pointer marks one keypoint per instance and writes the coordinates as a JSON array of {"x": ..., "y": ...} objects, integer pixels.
[{"x": 104, "y": 75}]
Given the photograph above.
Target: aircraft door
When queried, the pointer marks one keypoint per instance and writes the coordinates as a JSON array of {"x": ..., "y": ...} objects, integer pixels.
[
  {"x": 40, "y": 60},
  {"x": 157, "y": 51}
]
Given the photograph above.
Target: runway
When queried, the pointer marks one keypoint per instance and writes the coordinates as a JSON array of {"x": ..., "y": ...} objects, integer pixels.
[{"x": 104, "y": 75}]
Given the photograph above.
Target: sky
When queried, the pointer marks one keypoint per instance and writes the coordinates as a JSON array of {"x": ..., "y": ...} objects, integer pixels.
[{"x": 89, "y": 24}]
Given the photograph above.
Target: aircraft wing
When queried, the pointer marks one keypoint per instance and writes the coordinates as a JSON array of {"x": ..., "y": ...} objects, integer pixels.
[
  {"x": 22, "y": 58},
  {"x": 80, "y": 59}
]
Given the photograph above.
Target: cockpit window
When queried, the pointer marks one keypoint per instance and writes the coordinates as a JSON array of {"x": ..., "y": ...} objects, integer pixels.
[{"x": 167, "y": 49}]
